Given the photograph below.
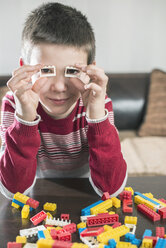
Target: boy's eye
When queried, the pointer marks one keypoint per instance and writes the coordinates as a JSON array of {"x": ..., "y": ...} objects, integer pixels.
[
  {"x": 48, "y": 71},
  {"x": 72, "y": 72}
]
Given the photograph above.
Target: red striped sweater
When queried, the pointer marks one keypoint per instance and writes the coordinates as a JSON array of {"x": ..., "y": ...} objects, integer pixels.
[{"x": 60, "y": 148}]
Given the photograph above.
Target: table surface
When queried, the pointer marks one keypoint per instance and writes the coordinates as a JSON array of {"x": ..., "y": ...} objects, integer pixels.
[{"x": 72, "y": 195}]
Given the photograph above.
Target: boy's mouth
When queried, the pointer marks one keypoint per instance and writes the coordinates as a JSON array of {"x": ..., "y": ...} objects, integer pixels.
[{"x": 58, "y": 101}]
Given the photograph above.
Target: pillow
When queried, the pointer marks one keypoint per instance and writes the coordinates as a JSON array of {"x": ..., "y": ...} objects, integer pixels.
[{"x": 154, "y": 123}]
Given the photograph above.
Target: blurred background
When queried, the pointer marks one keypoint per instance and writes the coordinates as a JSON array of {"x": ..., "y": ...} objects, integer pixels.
[{"x": 130, "y": 34}]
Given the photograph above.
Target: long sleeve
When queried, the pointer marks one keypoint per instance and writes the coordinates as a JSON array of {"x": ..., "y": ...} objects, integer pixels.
[
  {"x": 107, "y": 166},
  {"x": 20, "y": 144}
]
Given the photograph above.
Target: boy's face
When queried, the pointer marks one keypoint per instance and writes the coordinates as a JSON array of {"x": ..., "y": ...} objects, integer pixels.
[{"x": 58, "y": 95}]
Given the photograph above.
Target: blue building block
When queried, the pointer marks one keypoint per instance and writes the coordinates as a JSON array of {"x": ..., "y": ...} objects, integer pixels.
[
  {"x": 146, "y": 198},
  {"x": 41, "y": 235},
  {"x": 21, "y": 204},
  {"x": 81, "y": 229},
  {"x": 111, "y": 243},
  {"x": 161, "y": 243},
  {"x": 86, "y": 211},
  {"x": 136, "y": 242},
  {"x": 147, "y": 232},
  {"x": 129, "y": 237}
]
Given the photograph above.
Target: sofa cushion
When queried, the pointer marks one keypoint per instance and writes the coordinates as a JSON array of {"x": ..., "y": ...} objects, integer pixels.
[{"x": 154, "y": 123}]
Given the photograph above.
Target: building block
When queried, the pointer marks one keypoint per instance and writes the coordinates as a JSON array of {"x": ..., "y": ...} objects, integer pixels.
[
  {"x": 39, "y": 217},
  {"x": 161, "y": 243},
  {"x": 21, "y": 204},
  {"x": 146, "y": 198},
  {"x": 49, "y": 215},
  {"x": 102, "y": 219},
  {"x": 31, "y": 231},
  {"x": 25, "y": 211},
  {"x": 45, "y": 243},
  {"x": 116, "y": 224},
  {"x": 14, "y": 245},
  {"x": 130, "y": 220},
  {"x": 79, "y": 245},
  {"x": 122, "y": 244},
  {"x": 41, "y": 235},
  {"x": 129, "y": 237},
  {"x": 147, "y": 243},
  {"x": 70, "y": 228},
  {"x": 81, "y": 225},
  {"x": 49, "y": 206},
  {"x": 148, "y": 212},
  {"x": 160, "y": 232},
  {"x": 136, "y": 242},
  {"x": 154, "y": 239},
  {"x": 116, "y": 202},
  {"x": 127, "y": 206},
  {"x": 140, "y": 200},
  {"x": 32, "y": 203},
  {"x": 62, "y": 244},
  {"x": 15, "y": 205},
  {"x": 129, "y": 189},
  {"x": 154, "y": 199},
  {"x": 21, "y": 239},
  {"x": 112, "y": 243},
  {"x": 86, "y": 211},
  {"x": 30, "y": 245},
  {"x": 95, "y": 231},
  {"x": 125, "y": 195},
  {"x": 162, "y": 200},
  {"x": 20, "y": 197},
  {"x": 102, "y": 207},
  {"x": 105, "y": 196},
  {"x": 65, "y": 216},
  {"x": 89, "y": 241},
  {"x": 132, "y": 228},
  {"x": 81, "y": 230},
  {"x": 57, "y": 222},
  {"x": 162, "y": 213},
  {"x": 147, "y": 232}
]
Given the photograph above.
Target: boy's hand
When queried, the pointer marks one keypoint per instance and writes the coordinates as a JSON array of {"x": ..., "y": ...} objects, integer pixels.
[
  {"x": 26, "y": 98},
  {"x": 93, "y": 94}
]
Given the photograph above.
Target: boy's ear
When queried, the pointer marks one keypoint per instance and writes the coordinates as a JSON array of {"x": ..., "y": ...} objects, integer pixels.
[
  {"x": 94, "y": 63},
  {"x": 21, "y": 61}
]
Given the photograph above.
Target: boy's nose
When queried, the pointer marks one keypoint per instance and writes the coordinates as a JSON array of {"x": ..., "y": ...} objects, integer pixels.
[{"x": 58, "y": 83}]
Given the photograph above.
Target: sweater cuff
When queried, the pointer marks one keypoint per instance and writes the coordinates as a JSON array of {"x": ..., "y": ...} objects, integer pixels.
[
  {"x": 97, "y": 120},
  {"x": 26, "y": 128}
]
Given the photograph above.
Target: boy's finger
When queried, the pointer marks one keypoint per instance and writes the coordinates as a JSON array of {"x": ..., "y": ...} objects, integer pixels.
[
  {"x": 39, "y": 84},
  {"x": 19, "y": 92},
  {"x": 94, "y": 87},
  {"x": 12, "y": 84},
  {"x": 27, "y": 68}
]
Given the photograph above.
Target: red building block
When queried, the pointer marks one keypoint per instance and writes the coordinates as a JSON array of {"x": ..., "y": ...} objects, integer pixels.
[
  {"x": 153, "y": 238},
  {"x": 53, "y": 234},
  {"x": 62, "y": 244},
  {"x": 36, "y": 219},
  {"x": 32, "y": 203},
  {"x": 95, "y": 231},
  {"x": 162, "y": 212},
  {"x": 125, "y": 195},
  {"x": 126, "y": 204},
  {"x": 162, "y": 200},
  {"x": 14, "y": 245},
  {"x": 116, "y": 224},
  {"x": 70, "y": 228},
  {"x": 148, "y": 212},
  {"x": 105, "y": 196},
  {"x": 65, "y": 216},
  {"x": 64, "y": 236},
  {"x": 102, "y": 219},
  {"x": 160, "y": 231}
]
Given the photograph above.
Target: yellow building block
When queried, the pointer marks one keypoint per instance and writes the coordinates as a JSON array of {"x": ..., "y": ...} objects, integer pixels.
[
  {"x": 79, "y": 245},
  {"x": 133, "y": 246},
  {"x": 81, "y": 225},
  {"x": 21, "y": 198},
  {"x": 49, "y": 215},
  {"x": 15, "y": 205},
  {"x": 140, "y": 200},
  {"x": 25, "y": 211},
  {"x": 107, "y": 227},
  {"x": 122, "y": 244},
  {"x": 130, "y": 220},
  {"x": 129, "y": 189},
  {"x": 101, "y": 245},
  {"x": 45, "y": 243},
  {"x": 147, "y": 243},
  {"x": 47, "y": 234},
  {"x": 49, "y": 206},
  {"x": 51, "y": 227},
  {"x": 21, "y": 239},
  {"x": 116, "y": 202},
  {"x": 111, "y": 212},
  {"x": 114, "y": 233},
  {"x": 102, "y": 206}
]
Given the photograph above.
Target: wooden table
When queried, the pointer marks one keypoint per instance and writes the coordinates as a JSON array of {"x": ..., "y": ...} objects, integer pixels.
[{"x": 72, "y": 195}]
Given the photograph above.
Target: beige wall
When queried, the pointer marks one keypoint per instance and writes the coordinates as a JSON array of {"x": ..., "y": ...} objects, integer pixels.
[{"x": 130, "y": 34}]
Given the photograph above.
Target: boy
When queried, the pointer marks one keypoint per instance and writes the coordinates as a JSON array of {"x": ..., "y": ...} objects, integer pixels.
[{"x": 59, "y": 126}]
